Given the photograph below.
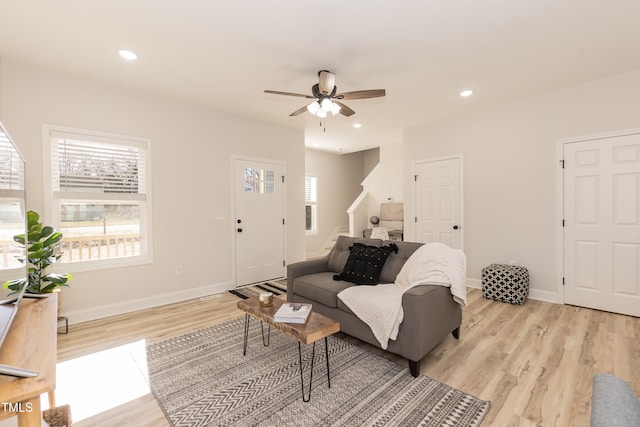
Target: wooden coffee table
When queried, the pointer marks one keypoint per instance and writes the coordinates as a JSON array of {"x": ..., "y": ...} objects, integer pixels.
[{"x": 317, "y": 327}]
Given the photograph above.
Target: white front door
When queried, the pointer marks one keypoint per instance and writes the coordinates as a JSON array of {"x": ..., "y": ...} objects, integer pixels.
[
  {"x": 438, "y": 202},
  {"x": 259, "y": 221},
  {"x": 602, "y": 224}
]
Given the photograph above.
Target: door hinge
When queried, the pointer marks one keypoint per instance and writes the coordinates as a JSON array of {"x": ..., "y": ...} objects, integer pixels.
[
  {"x": 282, "y": 221},
  {"x": 283, "y": 263},
  {"x": 562, "y": 163},
  {"x": 563, "y": 281},
  {"x": 415, "y": 219},
  {"x": 563, "y": 222},
  {"x": 283, "y": 179},
  {"x": 415, "y": 178}
]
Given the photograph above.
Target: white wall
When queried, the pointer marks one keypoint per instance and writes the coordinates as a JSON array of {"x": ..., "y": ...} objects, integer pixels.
[
  {"x": 385, "y": 183},
  {"x": 339, "y": 178},
  {"x": 511, "y": 170},
  {"x": 192, "y": 147},
  {"x": 371, "y": 159}
]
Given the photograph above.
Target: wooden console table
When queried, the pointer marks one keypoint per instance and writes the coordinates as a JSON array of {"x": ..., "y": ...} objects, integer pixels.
[{"x": 31, "y": 344}]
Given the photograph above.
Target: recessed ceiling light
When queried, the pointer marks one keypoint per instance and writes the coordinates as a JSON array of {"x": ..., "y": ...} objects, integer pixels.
[
  {"x": 128, "y": 55},
  {"x": 357, "y": 125},
  {"x": 466, "y": 93}
]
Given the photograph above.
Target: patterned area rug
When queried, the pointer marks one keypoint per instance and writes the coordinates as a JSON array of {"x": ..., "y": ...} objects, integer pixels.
[
  {"x": 277, "y": 288},
  {"x": 202, "y": 379}
]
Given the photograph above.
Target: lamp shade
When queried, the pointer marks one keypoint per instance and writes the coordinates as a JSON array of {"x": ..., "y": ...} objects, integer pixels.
[
  {"x": 326, "y": 105},
  {"x": 313, "y": 107}
]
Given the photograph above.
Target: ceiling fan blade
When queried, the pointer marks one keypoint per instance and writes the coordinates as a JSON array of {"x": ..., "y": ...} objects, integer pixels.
[
  {"x": 362, "y": 94},
  {"x": 277, "y": 92},
  {"x": 344, "y": 110},
  {"x": 327, "y": 82},
  {"x": 298, "y": 111}
]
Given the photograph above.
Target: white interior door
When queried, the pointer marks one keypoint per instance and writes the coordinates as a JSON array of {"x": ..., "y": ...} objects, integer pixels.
[
  {"x": 259, "y": 222},
  {"x": 602, "y": 224},
  {"x": 438, "y": 196}
]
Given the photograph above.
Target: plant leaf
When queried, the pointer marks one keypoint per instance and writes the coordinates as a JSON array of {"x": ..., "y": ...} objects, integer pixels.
[
  {"x": 47, "y": 231},
  {"x": 53, "y": 239},
  {"x": 56, "y": 278},
  {"x": 32, "y": 217}
]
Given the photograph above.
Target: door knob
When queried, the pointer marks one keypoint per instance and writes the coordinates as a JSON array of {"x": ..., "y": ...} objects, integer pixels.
[
  {"x": 455, "y": 227},
  {"x": 239, "y": 230}
]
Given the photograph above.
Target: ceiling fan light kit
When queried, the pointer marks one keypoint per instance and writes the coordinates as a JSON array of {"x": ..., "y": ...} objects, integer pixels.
[
  {"x": 323, "y": 107},
  {"x": 314, "y": 107},
  {"x": 325, "y": 96}
]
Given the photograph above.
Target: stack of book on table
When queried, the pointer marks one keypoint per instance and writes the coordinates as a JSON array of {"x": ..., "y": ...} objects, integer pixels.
[{"x": 292, "y": 312}]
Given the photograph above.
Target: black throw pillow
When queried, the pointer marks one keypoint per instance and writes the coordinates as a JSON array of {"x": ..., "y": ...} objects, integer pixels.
[{"x": 365, "y": 263}]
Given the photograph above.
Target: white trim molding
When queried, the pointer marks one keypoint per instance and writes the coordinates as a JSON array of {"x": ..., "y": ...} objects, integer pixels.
[{"x": 107, "y": 310}]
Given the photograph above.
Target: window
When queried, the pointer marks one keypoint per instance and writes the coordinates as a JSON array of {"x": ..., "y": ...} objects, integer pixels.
[
  {"x": 311, "y": 201},
  {"x": 259, "y": 180},
  {"x": 100, "y": 197},
  {"x": 11, "y": 203}
]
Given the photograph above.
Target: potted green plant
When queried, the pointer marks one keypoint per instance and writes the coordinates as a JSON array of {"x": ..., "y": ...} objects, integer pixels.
[{"x": 43, "y": 249}]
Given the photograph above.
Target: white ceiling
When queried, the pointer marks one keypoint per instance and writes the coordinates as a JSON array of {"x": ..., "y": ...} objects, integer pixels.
[{"x": 423, "y": 52}]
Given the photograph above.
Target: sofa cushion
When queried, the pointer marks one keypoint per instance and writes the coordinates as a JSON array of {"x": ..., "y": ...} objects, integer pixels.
[
  {"x": 396, "y": 260},
  {"x": 340, "y": 251},
  {"x": 320, "y": 287},
  {"x": 365, "y": 263}
]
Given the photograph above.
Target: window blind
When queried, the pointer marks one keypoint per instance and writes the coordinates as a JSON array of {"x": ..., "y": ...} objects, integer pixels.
[
  {"x": 11, "y": 166},
  {"x": 86, "y": 166},
  {"x": 310, "y": 189}
]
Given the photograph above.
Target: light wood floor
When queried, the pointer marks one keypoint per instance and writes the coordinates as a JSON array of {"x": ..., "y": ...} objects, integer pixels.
[{"x": 534, "y": 362}]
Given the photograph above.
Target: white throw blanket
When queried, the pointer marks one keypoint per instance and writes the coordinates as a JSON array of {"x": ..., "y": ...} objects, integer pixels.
[{"x": 380, "y": 306}]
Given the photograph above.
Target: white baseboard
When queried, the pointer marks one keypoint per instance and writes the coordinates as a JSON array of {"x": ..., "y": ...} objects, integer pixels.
[
  {"x": 474, "y": 283},
  {"x": 536, "y": 294},
  {"x": 100, "y": 312}
]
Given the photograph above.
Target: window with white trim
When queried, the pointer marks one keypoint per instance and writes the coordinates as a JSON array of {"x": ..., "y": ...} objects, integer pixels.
[
  {"x": 100, "y": 197},
  {"x": 12, "y": 203},
  {"x": 311, "y": 204}
]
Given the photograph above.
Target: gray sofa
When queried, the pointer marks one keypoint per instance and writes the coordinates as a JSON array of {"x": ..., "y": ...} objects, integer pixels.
[
  {"x": 613, "y": 403},
  {"x": 430, "y": 312}
]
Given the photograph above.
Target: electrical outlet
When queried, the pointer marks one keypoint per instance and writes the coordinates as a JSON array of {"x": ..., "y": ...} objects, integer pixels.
[{"x": 179, "y": 270}]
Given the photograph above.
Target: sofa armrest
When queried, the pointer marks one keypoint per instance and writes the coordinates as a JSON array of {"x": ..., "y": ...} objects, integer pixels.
[
  {"x": 303, "y": 268},
  {"x": 430, "y": 314},
  {"x": 613, "y": 402}
]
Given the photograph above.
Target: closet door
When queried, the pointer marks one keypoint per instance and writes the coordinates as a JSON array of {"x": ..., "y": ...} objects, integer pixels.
[
  {"x": 602, "y": 224},
  {"x": 438, "y": 201}
]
